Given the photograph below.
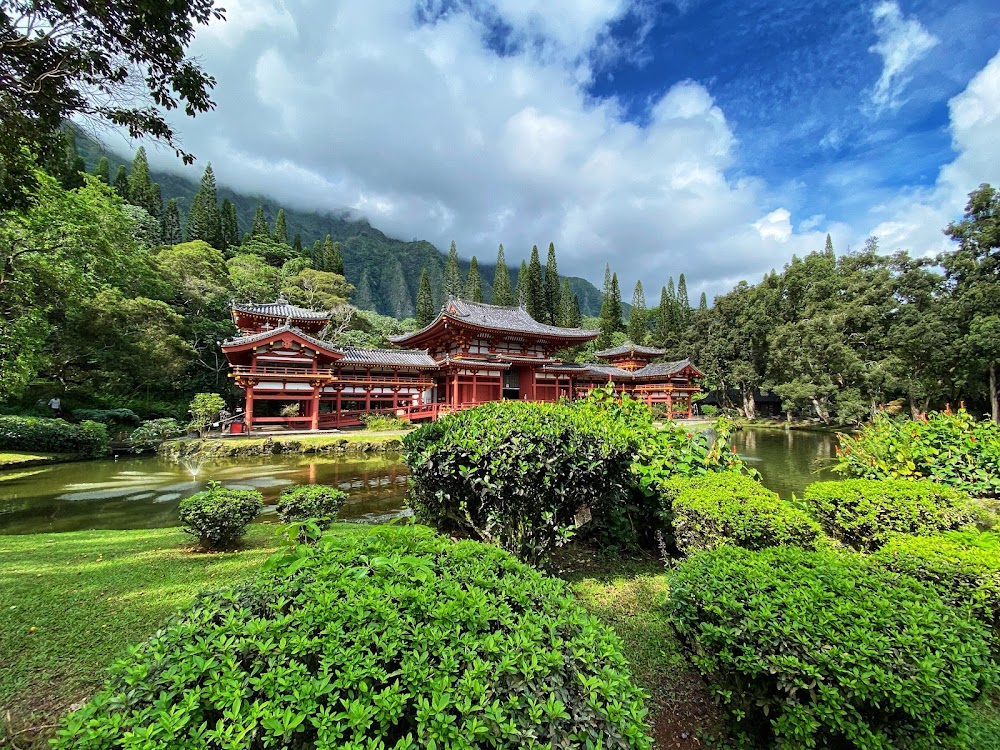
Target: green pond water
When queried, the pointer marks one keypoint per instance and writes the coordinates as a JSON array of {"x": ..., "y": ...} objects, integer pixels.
[{"x": 134, "y": 493}]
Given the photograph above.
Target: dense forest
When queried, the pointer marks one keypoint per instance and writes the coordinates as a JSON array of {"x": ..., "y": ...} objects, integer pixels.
[{"x": 114, "y": 297}]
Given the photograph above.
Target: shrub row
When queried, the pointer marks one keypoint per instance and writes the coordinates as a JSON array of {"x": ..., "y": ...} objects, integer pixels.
[
  {"x": 864, "y": 513},
  {"x": 117, "y": 417},
  {"x": 820, "y": 649},
  {"x": 964, "y": 568},
  {"x": 708, "y": 511},
  {"x": 397, "y": 640},
  {"x": 53, "y": 436}
]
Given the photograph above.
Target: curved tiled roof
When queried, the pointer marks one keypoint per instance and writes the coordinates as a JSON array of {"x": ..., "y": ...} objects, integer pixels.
[
  {"x": 627, "y": 348},
  {"x": 662, "y": 369},
  {"x": 497, "y": 318},
  {"x": 287, "y": 328},
  {"x": 281, "y": 309},
  {"x": 657, "y": 370},
  {"x": 394, "y": 357}
]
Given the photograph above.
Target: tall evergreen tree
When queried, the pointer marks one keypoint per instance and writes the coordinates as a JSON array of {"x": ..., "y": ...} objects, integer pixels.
[
  {"x": 156, "y": 200},
  {"x": 673, "y": 310},
  {"x": 453, "y": 286},
  {"x": 171, "y": 224},
  {"x": 121, "y": 182},
  {"x": 565, "y": 317},
  {"x": 297, "y": 244},
  {"x": 535, "y": 298},
  {"x": 280, "y": 229},
  {"x": 502, "y": 292},
  {"x": 140, "y": 189},
  {"x": 611, "y": 309},
  {"x": 103, "y": 171},
  {"x": 663, "y": 319},
  {"x": 703, "y": 302},
  {"x": 204, "y": 219},
  {"x": 829, "y": 246},
  {"x": 396, "y": 294},
  {"x": 683, "y": 303},
  {"x": 637, "y": 322},
  {"x": 230, "y": 224},
  {"x": 474, "y": 283},
  {"x": 333, "y": 259},
  {"x": 521, "y": 291},
  {"x": 259, "y": 228},
  {"x": 577, "y": 315},
  {"x": 616, "y": 303},
  {"x": 553, "y": 291},
  {"x": 425, "y": 300},
  {"x": 316, "y": 256}
]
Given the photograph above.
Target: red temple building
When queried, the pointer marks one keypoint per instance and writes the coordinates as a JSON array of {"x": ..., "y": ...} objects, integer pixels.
[{"x": 470, "y": 354}]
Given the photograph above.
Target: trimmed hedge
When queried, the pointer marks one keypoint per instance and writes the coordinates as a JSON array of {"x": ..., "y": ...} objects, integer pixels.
[
  {"x": 218, "y": 516},
  {"x": 820, "y": 649},
  {"x": 520, "y": 474},
  {"x": 727, "y": 508},
  {"x": 963, "y": 568},
  {"x": 864, "y": 513},
  {"x": 53, "y": 436},
  {"x": 399, "y": 639},
  {"x": 316, "y": 503}
]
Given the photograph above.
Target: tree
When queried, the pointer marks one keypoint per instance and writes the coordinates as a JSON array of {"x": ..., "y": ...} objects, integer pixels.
[
  {"x": 425, "y": 302},
  {"x": 230, "y": 225},
  {"x": 683, "y": 304},
  {"x": 703, "y": 302},
  {"x": 280, "y": 228},
  {"x": 316, "y": 256},
  {"x": 259, "y": 228},
  {"x": 473, "y": 283},
  {"x": 333, "y": 259},
  {"x": 253, "y": 279},
  {"x": 611, "y": 309},
  {"x": 171, "y": 224},
  {"x": 297, "y": 244},
  {"x": 103, "y": 171},
  {"x": 204, "y": 409},
  {"x": 553, "y": 291},
  {"x": 140, "y": 186},
  {"x": 828, "y": 249},
  {"x": 453, "y": 286},
  {"x": 116, "y": 62},
  {"x": 973, "y": 274},
  {"x": 502, "y": 293},
  {"x": 521, "y": 292},
  {"x": 567, "y": 312},
  {"x": 316, "y": 290},
  {"x": 204, "y": 220},
  {"x": 638, "y": 327},
  {"x": 121, "y": 182},
  {"x": 535, "y": 289}
]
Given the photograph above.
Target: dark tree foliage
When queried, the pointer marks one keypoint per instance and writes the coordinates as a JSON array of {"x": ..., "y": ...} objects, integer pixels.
[
  {"x": 683, "y": 303},
  {"x": 171, "y": 225},
  {"x": 637, "y": 323},
  {"x": 116, "y": 62},
  {"x": 534, "y": 298},
  {"x": 280, "y": 228},
  {"x": 553, "y": 291},
  {"x": 400, "y": 301},
  {"x": 259, "y": 228},
  {"x": 567, "y": 311},
  {"x": 332, "y": 257},
  {"x": 297, "y": 244},
  {"x": 452, "y": 285},
  {"x": 521, "y": 291},
  {"x": 425, "y": 300},
  {"x": 502, "y": 292},
  {"x": 474, "y": 283},
  {"x": 204, "y": 220},
  {"x": 364, "y": 297},
  {"x": 703, "y": 302},
  {"x": 121, "y": 182},
  {"x": 230, "y": 224},
  {"x": 103, "y": 171}
]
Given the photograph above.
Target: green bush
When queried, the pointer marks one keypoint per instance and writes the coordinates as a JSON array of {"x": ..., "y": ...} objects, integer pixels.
[
  {"x": 310, "y": 502},
  {"x": 964, "y": 568},
  {"x": 384, "y": 422},
  {"x": 952, "y": 449},
  {"x": 205, "y": 408},
  {"x": 708, "y": 511},
  {"x": 397, "y": 639},
  {"x": 519, "y": 474},
  {"x": 218, "y": 516},
  {"x": 116, "y": 417},
  {"x": 53, "y": 436},
  {"x": 820, "y": 649},
  {"x": 151, "y": 433},
  {"x": 863, "y": 513}
]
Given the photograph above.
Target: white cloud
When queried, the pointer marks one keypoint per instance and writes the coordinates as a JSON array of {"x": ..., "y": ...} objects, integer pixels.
[
  {"x": 901, "y": 43},
  {"x": 429, "y": 133},
  {"x": 913, "y": 221}
]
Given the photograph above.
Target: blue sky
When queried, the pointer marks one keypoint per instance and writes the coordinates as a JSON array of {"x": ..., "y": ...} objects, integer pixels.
[{"x": 711, "y": 138}]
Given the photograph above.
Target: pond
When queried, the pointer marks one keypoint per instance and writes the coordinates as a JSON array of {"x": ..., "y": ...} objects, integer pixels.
[{"x": 133, "y": 493}]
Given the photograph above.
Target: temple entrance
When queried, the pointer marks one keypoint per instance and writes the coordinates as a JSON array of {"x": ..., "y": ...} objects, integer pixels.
[{"x": 512, "y": 385}]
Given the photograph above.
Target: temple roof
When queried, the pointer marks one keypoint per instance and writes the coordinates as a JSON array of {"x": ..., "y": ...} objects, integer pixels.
[
  {"x": 286, "y": 328},
  {"x": 280, "y": 308},
  {"x": 657, "y": 370},
  {"x": 629, "y": 348},
  {"x": 393, "y": 357},
  {"x": 495, "y": 318}
]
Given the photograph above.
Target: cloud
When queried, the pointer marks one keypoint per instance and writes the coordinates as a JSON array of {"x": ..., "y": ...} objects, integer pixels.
[
  {"x": 902, "y": 42},
  {"x": 913, "y": 220},
  {"x": 776, "y": 225}
]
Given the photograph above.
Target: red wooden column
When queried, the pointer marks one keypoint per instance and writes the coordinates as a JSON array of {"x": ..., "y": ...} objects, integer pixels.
[
  {"x": 670, "y": 405},
  {"x": 454, "y": 390},
  {"x": 315, "y": 409},
  {"x": 248, "y": 411},
  {"x": 336, "y": 403}
]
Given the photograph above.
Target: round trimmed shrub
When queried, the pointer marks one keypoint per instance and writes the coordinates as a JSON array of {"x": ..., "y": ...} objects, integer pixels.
[
  {"x": 728, "y": 508},
  {"x": 317, "y": 503},
  {"x": 218, "y": 516},
  {"x": 863, "y": 513},
  {"x": 392, "y": 638},
  {"x": 822, "y": 649},
  {"x": 964, "y": 568}
]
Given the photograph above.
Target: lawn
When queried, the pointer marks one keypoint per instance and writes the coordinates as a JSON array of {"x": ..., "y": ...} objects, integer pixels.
[{"x": 20, "y": 459}]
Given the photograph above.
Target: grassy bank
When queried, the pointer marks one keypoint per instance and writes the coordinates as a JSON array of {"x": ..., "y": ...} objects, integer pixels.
[
  {"x": 338, "y": 442},
  {"x": 22, "y": 460}
]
